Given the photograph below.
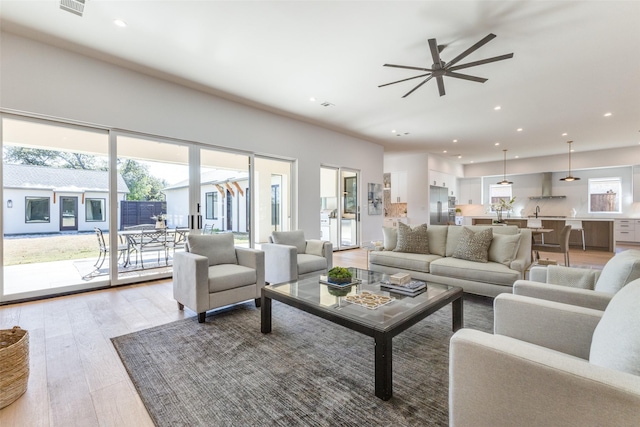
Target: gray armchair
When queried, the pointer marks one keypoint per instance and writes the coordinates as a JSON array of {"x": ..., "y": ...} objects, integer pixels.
[
  {"x": 212, "y": 273},
  {"x": 580, "y": 286},
  {"x": 289, "y": 256},
  {"x": 549, "y": 364}
]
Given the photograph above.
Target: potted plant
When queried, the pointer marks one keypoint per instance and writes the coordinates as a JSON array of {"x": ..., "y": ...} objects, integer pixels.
[{"x": 339, "y": 275}]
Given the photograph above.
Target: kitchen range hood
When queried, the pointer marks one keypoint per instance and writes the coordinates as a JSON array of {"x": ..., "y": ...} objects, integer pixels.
[{"x": 546, "y": 189}]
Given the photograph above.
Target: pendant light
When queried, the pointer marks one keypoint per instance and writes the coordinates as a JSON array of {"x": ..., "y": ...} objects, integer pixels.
[
  {"x": 569, "y": 177},
  {"x": 504, "y": 179}
]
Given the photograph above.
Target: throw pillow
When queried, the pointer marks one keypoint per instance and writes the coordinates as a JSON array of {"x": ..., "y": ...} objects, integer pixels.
[
  {"x": 315, "y": 247},
  {"x": 504, "y": 248},
  {"x": 618, "y": 271},
  {"x": 291, "y": 238},
  {"x": 473, "y": 246},
  {"x": 412, "y": 240},
  {"x": 390, "y": 238},
  {"x": 219, "y": 248},
  {"x": 616, "y": 340}
]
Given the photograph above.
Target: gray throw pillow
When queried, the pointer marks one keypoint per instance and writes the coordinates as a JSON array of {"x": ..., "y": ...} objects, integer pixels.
[
  {"x": 291, "y": 238},
  {"x": 473, "y": 246},
  {"x": 219, "y": 248},
  {"x": 412, "y": 240},
  {"x": 618, "y": 271},
  {"x": 390, "y": 238},
  {"x": 504, "y": 248},
  {"x": 616, "y": 340}
]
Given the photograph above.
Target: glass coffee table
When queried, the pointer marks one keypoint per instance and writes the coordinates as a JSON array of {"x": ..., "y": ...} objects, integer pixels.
[{"x": 337, "y": 305}]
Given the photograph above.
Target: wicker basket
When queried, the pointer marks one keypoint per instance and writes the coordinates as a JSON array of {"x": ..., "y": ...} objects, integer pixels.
[{"x": 14, "y": 364}]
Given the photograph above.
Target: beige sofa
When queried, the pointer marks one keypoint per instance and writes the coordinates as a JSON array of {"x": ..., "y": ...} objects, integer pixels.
[{"x": 507, "y": 261}]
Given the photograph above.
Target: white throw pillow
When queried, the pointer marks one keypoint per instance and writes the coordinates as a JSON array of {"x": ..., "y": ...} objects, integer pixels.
[
  {"x": 504, "y": 248},
  {"x": 390, "y": 238},
  {"x": 315, "y": 247}
]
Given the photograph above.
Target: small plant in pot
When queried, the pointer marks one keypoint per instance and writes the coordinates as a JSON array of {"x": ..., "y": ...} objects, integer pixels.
[{"x": 339, "y": 275}]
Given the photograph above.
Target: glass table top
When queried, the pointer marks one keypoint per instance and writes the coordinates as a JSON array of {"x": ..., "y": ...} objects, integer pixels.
[{"x": 311, "y": 292}]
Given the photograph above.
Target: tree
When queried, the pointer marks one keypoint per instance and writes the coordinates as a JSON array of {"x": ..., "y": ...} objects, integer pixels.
[
  {"x": 53, "y": 158},
  {"x": 141, "y": 185}
]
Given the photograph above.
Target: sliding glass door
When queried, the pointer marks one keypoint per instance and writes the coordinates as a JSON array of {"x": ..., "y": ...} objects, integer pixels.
[
  {"x": 340, "y": 207},
  {"x": 273, "y": 188}
]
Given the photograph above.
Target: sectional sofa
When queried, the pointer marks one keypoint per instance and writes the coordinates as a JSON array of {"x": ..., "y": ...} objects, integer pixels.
[{"x": 446, "y": 254}]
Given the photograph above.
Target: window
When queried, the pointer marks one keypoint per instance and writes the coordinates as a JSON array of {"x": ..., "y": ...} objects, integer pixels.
[
  {"x": 37, "y": 209},
  {"x": 605, "y": 195},
  {"x": 497, "y": 192},
  {"x": 95, "y": 210},
  {"x": 212, "y": 205}
]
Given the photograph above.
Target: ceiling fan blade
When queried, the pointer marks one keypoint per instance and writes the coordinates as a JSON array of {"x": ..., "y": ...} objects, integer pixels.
[
  {"x": 407, "y": 67},
  {"x": 465, "y": 77},
  {"x": 435, "y": 53},
  {"x": 476, "y": 46},
  {"x": 440, "y": 85},
  {"x": 412, "y": 90},
  {"x": 404, "y": 80},
  {"x": 482, "y": 61}
]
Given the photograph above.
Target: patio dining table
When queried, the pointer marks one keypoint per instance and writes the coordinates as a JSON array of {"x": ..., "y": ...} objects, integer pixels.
[{"x": 153, "y": 240}]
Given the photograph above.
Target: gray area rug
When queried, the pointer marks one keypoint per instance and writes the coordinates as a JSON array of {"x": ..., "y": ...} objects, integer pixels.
[{"x": 307, "y": 372}]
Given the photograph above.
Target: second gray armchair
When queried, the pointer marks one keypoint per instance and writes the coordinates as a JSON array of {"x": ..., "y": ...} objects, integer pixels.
[{"x": 289, "y": 256}]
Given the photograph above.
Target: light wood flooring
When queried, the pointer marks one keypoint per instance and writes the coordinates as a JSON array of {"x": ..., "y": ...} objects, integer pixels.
[{"x": 76, "y": 376}]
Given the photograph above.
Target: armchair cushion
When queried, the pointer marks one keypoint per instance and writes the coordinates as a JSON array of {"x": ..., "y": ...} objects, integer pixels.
[
  {"x": 218, "y": 248},
  {"x": 308, "y": 263},
  {"x": 568, "y": 276},
  {"x": 618, "y": 271},
  {"x": 291, "y": 238},
  {"x": 616, "y": 339},
  {"x": 315, "y": 247},
  {"x": 230, "y": 276}
]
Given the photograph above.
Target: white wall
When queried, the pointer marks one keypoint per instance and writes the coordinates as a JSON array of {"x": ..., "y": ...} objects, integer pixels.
[{"x": 45, "y": 80}]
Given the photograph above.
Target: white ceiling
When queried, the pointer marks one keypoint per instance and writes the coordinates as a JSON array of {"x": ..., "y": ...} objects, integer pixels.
[{"x": 573, "y": 62}]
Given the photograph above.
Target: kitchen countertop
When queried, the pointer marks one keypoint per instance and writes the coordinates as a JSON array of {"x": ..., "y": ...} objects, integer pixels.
[{"x": 551, "y": 218}]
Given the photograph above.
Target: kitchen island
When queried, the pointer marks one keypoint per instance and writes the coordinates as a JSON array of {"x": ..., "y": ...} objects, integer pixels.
[{"x": 598, "y": 232}]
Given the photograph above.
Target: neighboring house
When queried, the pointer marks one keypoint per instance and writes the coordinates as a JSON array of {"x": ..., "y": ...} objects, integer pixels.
[
  {"x": 225, "y": 202},
  {"x": 40, "y": 199}
]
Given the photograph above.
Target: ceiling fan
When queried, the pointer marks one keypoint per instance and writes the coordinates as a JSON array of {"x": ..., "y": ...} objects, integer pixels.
[{"x": 440, "y": 68}]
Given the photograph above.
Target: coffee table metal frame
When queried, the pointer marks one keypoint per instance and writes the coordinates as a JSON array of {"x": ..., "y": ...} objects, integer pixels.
[{"x": 418, "y": 308}]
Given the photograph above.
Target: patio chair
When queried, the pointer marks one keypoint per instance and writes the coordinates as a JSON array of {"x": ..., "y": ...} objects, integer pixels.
[
  {"x": 179, "y": 240},
  {"x": 104, "y": 249}
]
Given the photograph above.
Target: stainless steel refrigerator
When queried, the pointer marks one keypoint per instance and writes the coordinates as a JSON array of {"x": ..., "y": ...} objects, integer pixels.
[{"x": 438, "y": 205}]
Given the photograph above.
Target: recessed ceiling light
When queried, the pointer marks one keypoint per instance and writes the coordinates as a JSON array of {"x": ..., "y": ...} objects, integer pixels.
[
  {"x": 471, "y": 161},
  {"x": 497, "y": 107},
  {"x": 455, "y": 140},
  {"x": 519, "y": 129},
  {"x": 444, "y": 151},
  {"x": 607, "y": 114},
  {"x": 517, "y": 157},
  {"x": 393, "y": 131},
  {"x": 496, "y": 144},
  {"x": 459, "y": 157},
  {"x": 564, "y": 134},
  {"x": 120, "y": 23},
  {"x": 312, "y": 99}
]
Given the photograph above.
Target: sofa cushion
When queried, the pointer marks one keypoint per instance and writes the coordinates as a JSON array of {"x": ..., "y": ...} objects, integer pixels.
[
  {"x": 618, "y": 271},
  {"x": 412, "y": 240},
  {"x": 291, "y": 238},
  {"x": 455, "y": 231},
  {"x": 308, "y": 263},
  {"x": 503, "y": 248},
  {"x": 315, "y": 247},
  {"x": 473, "y": 246},
  {"x": 490, "y": 272},
  {"x": 403, "y": 261},
  {"x": 616, "y": 341},
  {"x": 229, "y": 276},
  {"x": 438, "y": 239},
  {"x": 218, "y": 248},
  {"x": 390, "y": 238}
]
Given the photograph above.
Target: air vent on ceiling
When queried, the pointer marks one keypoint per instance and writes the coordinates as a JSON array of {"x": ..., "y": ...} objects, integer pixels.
[
  {"x": 327, "y": 104},
  {"x": 74, "y": 6}
]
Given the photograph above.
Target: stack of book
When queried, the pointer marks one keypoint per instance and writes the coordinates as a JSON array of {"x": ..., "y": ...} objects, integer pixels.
[{"x": 403, "y": 285}]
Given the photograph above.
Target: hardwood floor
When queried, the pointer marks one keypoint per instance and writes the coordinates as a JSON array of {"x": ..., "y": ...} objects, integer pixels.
[{"x": 77, "y": 378}]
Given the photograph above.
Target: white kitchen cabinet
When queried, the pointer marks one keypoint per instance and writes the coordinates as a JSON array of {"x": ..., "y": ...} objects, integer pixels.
[
  {"x": 627, "y": 230},
  {"x": 398, "y": 187},
  {"x": 469, "y": 190},
  {"x": 393, "y": 222}
]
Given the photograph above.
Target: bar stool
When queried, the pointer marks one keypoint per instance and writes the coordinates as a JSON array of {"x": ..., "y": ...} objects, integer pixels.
[
  {"x": 535, "y": 223},
  {"x": 576, "y": 225}
]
